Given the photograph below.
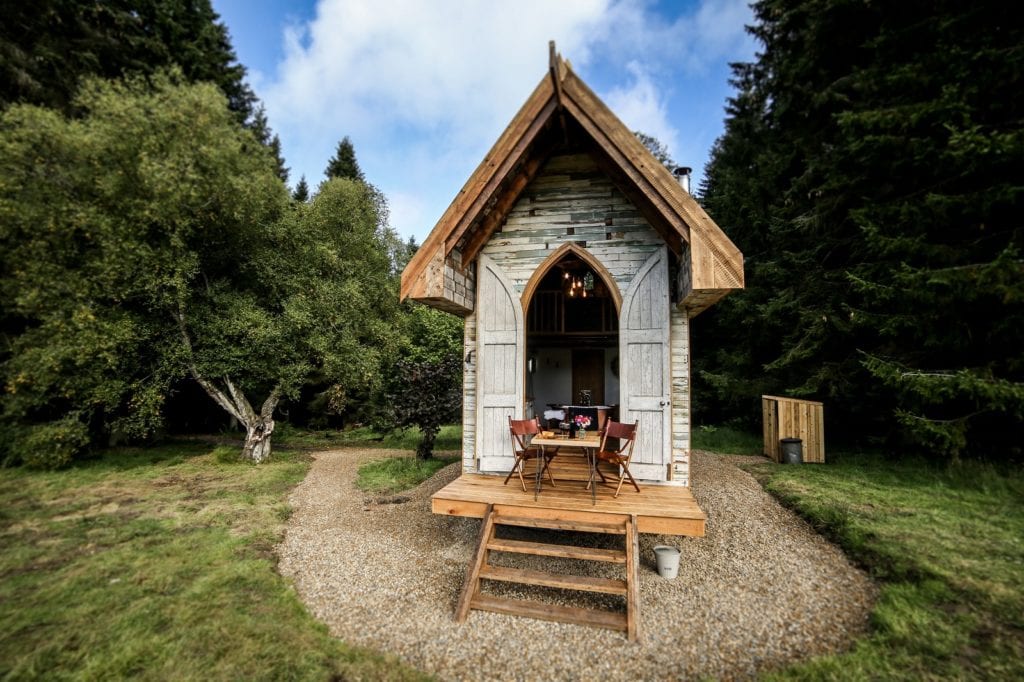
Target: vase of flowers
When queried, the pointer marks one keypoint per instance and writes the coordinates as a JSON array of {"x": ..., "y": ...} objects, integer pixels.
[{"x": 582, "y": 423}]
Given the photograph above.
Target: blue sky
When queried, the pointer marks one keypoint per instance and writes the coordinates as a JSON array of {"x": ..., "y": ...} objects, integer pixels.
[{"x": 424, "y": 87}]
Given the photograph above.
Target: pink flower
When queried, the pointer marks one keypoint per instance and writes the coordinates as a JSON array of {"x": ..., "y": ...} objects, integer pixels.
[{"x": 582, "y": 421}]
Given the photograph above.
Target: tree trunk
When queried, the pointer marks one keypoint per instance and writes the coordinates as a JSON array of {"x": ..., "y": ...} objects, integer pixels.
[
  {"x": 425, "y": 449},
  {"x": 257, "y": 440},
  {"x": 258, "y": 425}
]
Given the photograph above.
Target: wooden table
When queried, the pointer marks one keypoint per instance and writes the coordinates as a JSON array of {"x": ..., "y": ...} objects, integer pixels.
[{"x": 589, "y": 445}]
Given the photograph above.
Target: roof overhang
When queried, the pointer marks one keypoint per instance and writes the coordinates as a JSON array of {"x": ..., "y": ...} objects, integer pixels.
[{"x": 562, "y": 106}]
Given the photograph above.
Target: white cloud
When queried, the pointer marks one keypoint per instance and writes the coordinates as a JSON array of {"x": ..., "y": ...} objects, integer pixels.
[
  {"x": 460, "y": 66},
  {"x": 641, "y": 106},
  {"x": 406, "y": 209},
  {"x": 692, "y": 41},
  {"x": 424, "y": 88}
]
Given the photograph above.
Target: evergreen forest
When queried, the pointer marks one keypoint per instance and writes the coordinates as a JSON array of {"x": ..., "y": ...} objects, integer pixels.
[
  {"x": 157, "y": 274},
  {"x": 872, "y": 172}
]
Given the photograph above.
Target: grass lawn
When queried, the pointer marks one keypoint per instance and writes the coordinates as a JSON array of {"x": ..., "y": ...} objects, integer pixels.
[
  {"x": 727, "y": 440},
  {"x": 159, "y": 564},
  {"x": 394, "y": 474},
  {"x": 947, "y": 547},
  {"x": 285, "y": 435}
]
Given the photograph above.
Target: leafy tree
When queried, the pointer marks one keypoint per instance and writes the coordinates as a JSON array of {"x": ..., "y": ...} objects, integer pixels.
[
  {"x": 429, "y": 395},
  {"x": 425, "y": 386},
  {"x": 48, "y": 46},
  {"x": 874, "y": 183},
  {"x": 166, "y": 250},
  {"x": 343, "y": 164},
  {"x": 301, "y": 192},
  {"x": 657, "y": 148},
  {"x": 430, "y": 334}
]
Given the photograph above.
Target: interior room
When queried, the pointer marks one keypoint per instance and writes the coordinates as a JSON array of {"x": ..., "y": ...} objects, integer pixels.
[{"x": 572, "y": 344}]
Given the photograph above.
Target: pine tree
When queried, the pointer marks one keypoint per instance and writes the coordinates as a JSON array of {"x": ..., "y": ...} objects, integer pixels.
[
  {"x": 301, "y": 192},
  {"x": 657, "y": 148},
  {"x": 872, "y": 175},
  {"x": 940, "y": 283},
  {"x": 343, "y": 164},
  {"x": 46, "y": 47},
  {"x": 260, "y": 127}
]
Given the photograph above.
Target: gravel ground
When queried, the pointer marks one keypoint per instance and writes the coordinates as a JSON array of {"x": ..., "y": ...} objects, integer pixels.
[{"x": 760, "y": 591}]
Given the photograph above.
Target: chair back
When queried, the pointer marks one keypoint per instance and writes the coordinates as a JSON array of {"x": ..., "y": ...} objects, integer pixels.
[
  {"x": 625, "y": 433},
  {"x": 520, "y": 429}
]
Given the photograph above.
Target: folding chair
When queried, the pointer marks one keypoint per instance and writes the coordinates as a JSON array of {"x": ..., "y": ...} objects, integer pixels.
[
  {"x": 626, "y": 433},
  {"x": 520, "y": 429}
]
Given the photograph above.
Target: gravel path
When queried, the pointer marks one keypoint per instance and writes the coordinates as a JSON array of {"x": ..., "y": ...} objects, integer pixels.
[{"x": 760, "y": 591}]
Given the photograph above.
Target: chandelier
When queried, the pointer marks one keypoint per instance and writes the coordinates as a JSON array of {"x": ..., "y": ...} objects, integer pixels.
[{"x": 579, "y": 284}]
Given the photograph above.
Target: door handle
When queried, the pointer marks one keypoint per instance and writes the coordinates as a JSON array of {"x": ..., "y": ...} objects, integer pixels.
[{"x": 663, "y": 403}]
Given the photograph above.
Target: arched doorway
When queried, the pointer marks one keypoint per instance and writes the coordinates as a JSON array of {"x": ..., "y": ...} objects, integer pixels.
[{"x": 572, "y": 335}]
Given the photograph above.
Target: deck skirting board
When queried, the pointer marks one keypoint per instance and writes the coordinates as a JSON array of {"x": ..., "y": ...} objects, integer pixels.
[{"x": 663, "y": 510}]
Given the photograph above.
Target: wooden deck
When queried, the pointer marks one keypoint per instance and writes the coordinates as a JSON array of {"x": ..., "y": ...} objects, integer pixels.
[{"x": 661, "y": 509}]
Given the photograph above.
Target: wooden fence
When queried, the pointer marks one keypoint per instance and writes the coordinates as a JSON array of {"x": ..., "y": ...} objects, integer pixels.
[{"x": 792, "y": 418}]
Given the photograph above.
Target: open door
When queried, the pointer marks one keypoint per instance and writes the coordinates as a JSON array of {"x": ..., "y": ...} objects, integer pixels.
[
  {"x": 499, "y": 382},
  {"x": 645, "y": 383}
]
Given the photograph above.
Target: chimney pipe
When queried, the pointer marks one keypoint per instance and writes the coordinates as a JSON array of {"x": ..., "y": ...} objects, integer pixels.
[{"x": 682, "y": 174}]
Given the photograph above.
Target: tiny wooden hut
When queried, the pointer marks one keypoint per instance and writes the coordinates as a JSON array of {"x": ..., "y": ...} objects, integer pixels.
[
  {"x": 569, "y": 195},
  {"x": 577, "y": 261}
]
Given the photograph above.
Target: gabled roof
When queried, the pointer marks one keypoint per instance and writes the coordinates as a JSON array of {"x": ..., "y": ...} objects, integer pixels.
[{"x": 563, "y": 107}]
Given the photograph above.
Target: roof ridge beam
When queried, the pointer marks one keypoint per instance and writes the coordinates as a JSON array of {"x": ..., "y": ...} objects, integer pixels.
[{"x": 555, "y": 68}]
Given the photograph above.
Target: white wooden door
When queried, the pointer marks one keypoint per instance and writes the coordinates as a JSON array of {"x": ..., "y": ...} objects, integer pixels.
[
  {"x": 645, "y": 381},
  {"x": 500, "y": 348}
]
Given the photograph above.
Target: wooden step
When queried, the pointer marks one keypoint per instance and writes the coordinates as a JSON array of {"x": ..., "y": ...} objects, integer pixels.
[
  {"x": 561, "y": 614},
  {"x": 560, "y": 580},
  {"x": 615, "y": 556},
  {"x": 555, "y": 524}
]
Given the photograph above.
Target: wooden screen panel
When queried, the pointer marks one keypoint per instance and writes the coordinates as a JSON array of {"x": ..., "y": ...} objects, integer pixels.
[{"x": 793, "y": 418}]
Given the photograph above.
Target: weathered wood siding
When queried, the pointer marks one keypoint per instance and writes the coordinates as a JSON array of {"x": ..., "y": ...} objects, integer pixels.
[
  {"x": 459, "y": 286},
  {"x": 469, "y": 396},
  {"x": 571, "y": 200},
  {"x": 680, "y": 339}
]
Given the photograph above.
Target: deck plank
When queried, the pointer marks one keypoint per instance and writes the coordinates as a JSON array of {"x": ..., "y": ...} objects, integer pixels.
[
  {"x": 555, "y": 612},
  {"x": 583, "y": 583},
  {"x": 614, "y": 556},
  {"x": 669, "y": 510}
]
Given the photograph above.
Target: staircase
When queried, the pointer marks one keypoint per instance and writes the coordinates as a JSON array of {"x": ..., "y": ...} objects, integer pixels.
[{"x": 480, "y": 569}]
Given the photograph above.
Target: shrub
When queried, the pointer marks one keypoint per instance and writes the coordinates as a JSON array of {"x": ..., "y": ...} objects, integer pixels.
[{"x": 51, "y": 445}]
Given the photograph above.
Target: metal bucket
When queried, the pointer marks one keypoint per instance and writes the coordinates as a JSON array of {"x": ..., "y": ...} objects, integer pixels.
[
  {"x": 792, "y": 451},
  {"x": 668, "y": 561}
]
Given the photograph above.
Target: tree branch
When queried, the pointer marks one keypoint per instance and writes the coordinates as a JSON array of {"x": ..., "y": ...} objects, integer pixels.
[
  {"x": 270, "y": 404},
  {"x": 954, "y": 420},
  {"x": 243, "y": 405},
  {"x": 214, "y": 392}
]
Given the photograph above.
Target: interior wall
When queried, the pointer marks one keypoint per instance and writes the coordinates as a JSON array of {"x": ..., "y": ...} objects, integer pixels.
[
  {"x": 552, "y": 380},
  {"x": 611, "y": 380}
]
